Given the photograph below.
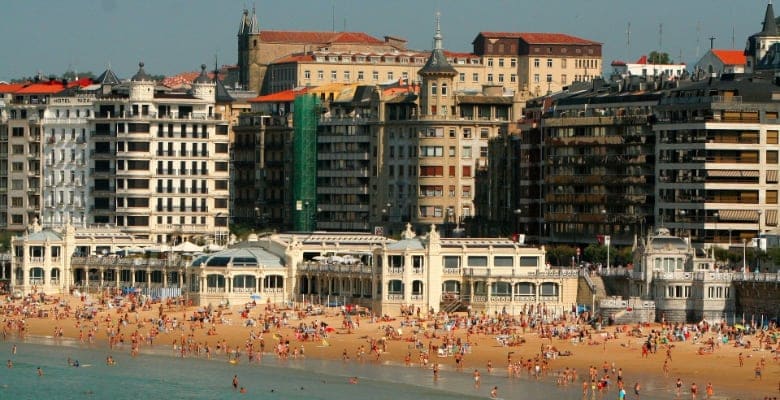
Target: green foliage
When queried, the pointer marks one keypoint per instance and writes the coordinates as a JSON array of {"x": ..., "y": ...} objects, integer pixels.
[
  {"x": 773, "y": 254},
  {"x": 657, "y": 57},
  {"x": 560, "y": 255},
  {"x": 5, "y": 241}
]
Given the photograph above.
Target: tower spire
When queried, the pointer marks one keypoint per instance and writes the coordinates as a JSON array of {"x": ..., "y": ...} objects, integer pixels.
[
  {"x": 437, "y": 39},
  {"x": 770, "y": 26}
]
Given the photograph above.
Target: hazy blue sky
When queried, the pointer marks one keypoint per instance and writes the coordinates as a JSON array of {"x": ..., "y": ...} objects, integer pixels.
[{"x": 172, "y": 36}]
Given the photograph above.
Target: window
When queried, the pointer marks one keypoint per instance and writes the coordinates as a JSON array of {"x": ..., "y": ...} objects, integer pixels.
[
  {"x": 360, "y": 76},
  {"x": 771, "y": 197},
  {"x": 347, "y": 76},
  {"x": 483, "y": 152},
  {"x": 549, "y": 63},
  {"x": 390, "y": 75},
  {"x": 451, "y": 151},
  {"x": 771, "y": 157},
  {"x": 513, "y": 62},
  {"x": 467, "y": 133},
  {"x": 484, "y": 133},
  {"x": 462, "y": 77},
  {"x": 17, "y": 149},
  {"x": 477, "y": 261},
  {"x": 434, "y": 89},
  {"x": 536, "y": 63},
  {"x": 490, "y": 78},
  {"x": 375, "y": 75},
  {"x": 431, "y": 151},
  {"x": 536, "y": 78},
  {"x": 771, "y": 137},
  {"x": 549, "y": 78},
  {"x": 333, "y": 75},
  {"x": 466, "y": 193},
  {"x": 320, "y": 75},
  {"x": 563, "y": 79},
  {"x": 444, "y": 89},
  {"x": 465, "y": 152},
  {"x": 431, "y": 191},
  {"x": 467, "y": 171},
  {"x": 431, "y": 170},
  {"x": 513, "y": 78},
  {"x": 452, "y": 173},
  {"x": 475, "y": 77},
  {"x": 563, "y": 63},
  {"x": 307, "y": 74},
  {"x": 500, "y": 62},
  {"x": 503, "y": 261}
]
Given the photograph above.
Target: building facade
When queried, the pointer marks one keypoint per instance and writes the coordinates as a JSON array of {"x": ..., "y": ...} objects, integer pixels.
[{"x": 717, "y": 165}]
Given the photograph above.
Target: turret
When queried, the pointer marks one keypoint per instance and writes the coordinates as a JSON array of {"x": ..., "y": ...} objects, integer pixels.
[
  {"x": 203, "y": 87},
  {"x": 141, "y": 85},
  {"x": 437, "y": 78}
]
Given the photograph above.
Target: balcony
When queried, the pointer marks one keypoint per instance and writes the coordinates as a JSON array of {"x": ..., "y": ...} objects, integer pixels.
[{"x": 181, "y": 209}]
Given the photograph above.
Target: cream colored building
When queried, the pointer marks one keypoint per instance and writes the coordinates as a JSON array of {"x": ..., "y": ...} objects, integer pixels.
[
  {"x": 543, "y": 62},
  {"x": 426, "y": 272}
]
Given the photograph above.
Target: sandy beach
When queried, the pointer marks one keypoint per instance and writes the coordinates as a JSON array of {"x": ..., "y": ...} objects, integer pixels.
[{"x": 376, "y": 341}]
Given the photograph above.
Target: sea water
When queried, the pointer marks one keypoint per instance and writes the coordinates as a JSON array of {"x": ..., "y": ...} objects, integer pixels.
[{"x": 160, "y": 375}]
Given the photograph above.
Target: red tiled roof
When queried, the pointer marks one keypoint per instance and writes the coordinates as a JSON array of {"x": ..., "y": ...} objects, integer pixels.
[
  {"x": 185, "y": 78},
  {"x": 51, "y": 87},
  {"x": 539, "y": 38},
  {"x": 294, "y": 58},
  {"x": 317, "y": 37},
  {"x": 11, "y": 87},
  {"x": 641, "y": 60},
  {"x": 279, "y": 97},
  {"x": 731, "y": 57}
]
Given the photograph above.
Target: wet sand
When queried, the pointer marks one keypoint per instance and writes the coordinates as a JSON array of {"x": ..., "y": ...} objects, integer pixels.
[{"x": 720, "y": 367}]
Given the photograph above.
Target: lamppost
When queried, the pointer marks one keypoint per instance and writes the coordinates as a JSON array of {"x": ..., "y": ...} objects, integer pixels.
[
  {"x": 386, "y": 218},
  {"x": 517, "y": 212},
  {"x": 715, "y": 216},
  {"x": 744, "y": 246},
  {"x": 607, "y": 239}
]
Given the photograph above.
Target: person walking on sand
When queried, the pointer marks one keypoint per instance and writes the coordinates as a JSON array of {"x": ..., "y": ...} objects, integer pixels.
[
  {"x": 494, "y": 392},
  {"x": 636, "y": 389},
  {"x": 710, "y": 392}
]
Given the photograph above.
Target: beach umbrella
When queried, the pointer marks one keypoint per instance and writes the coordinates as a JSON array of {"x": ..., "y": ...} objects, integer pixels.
[
  {"x": 255, "y": 297},
  {"x": 187, "y": 247}
]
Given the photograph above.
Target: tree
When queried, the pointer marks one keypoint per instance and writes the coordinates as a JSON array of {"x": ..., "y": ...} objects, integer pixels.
[
  {"x": 657, "y": 57},
  {"x": 560, "y": 255}
]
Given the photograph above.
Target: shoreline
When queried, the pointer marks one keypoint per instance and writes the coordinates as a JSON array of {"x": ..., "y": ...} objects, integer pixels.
[{"x": 625, "y": 352}]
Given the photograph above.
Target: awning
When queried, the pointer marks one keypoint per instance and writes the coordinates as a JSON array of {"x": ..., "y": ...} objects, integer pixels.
[
  {"x": 732, "y": 173},
  {"x": 738, "y": 215},
  {"x": 771, "y": 217},
  {"x": 771, "y": 176}
]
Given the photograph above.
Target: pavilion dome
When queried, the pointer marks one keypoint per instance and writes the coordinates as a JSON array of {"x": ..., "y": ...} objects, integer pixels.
[{"x": 240, "y": 257}]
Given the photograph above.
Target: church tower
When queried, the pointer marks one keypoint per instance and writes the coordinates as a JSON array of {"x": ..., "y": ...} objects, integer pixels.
[
  {"x": 759, "y": 43},
  {"x": 436, "y": 91},
  {"x": 246, "y": 30}
]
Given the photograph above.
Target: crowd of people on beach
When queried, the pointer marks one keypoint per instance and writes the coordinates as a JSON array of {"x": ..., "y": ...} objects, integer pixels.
[{"x": 433, "y": 340}]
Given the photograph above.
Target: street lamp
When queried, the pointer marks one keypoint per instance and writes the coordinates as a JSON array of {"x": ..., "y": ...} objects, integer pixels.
[
  {"x": 607, "y": 239},
  {"x": 744, "y": 245},
  {"x": 715, "y": 215},
  {"x": 517, "y": 212}
]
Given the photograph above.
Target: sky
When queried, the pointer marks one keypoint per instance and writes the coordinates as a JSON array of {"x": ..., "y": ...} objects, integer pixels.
[{"x": 173, "y": 36}]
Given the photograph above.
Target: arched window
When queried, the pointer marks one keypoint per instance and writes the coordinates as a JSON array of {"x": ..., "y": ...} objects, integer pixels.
[
  {"x": 434, "y": 89},
  {"x": 443, "y": 89}
]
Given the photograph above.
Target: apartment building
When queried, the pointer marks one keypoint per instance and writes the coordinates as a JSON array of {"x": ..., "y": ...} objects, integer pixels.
[
  {"x": 717, "y": 159},
  {"x": 432, "y": 147},
  {"x": 29, "y": 112},
  {"x": 160, "y": 161},
  {"x": 542, "y": 62},
  {"x": 367, "y": 68},
  {"x": 257, "y": 49}
]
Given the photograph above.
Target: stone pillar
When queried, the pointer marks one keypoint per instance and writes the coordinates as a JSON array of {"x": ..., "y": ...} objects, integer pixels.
[
  {"x": 132, "y": 277},
  {"x": 148, "y": 277}
]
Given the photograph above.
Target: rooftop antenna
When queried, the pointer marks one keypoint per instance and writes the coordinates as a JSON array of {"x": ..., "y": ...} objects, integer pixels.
[
  {"x": 712, "y": 42},
  {"x": 733, "y": 45},
  {"x": 333, "y": 15},
  {"x": 628, "y": 39},
  {"x": 660, "y": 36},
  {"x": 698, "y": 38}
]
